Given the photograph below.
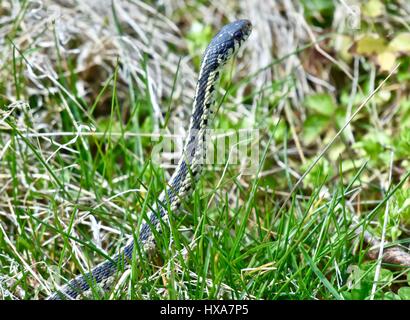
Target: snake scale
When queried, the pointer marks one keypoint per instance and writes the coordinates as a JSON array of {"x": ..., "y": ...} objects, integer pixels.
[{"x": 221, "y": 48}]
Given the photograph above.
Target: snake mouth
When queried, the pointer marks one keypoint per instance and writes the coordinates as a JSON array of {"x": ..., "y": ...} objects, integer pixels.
[
  {"x": 247, "y": 28},
  {"x": 237, "y": 31},
  {"x": 240, "y": 29}
]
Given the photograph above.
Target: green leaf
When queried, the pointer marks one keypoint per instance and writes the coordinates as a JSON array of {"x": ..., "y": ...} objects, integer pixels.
[
  {"x": 386, "y": 60},
  {"x": 404, "y": 293},
  {"x": 321, "y": 103},
  {"x": 319, "y": 173},
  {"x": 347, "y": 295},
  {"x": 361, "y": 293},
  {"x": 373, "y": 8},
  {"x": 370, "y": 44},
  {"x": 390, "y": 296},
  {"x": 336, "y": 150},
  {"x": 385, "y": 276},
  {"x": 374, "y": 144},
  {"x": 356, "y": 294},
  {"x": 313, "y": 127},
  {"x": 401, "y": 42}
]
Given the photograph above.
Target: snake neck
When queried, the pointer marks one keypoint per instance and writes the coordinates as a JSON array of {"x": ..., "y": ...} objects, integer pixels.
[{"x": 194, "y": 151}]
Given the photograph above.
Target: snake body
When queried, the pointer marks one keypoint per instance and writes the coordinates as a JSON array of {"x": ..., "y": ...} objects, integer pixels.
[{"x": 221, "y": 48}]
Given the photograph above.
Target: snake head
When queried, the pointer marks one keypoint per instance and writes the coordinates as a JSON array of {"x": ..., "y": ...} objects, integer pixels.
[
  {"x": 239, "y": 30},
  {"x": 228, "y": 40}
]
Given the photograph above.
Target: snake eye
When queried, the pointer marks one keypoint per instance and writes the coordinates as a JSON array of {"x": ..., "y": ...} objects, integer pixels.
[{"x": 238, "y": 35}]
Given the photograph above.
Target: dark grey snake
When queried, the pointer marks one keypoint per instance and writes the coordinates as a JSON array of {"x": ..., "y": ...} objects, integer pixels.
[{"x": 222, "y": 47}]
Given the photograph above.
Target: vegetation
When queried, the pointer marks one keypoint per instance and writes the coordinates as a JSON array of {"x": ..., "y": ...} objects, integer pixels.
[{"x": 85, "y": 90}]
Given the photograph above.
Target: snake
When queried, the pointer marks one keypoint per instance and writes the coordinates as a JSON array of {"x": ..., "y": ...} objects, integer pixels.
[{"x": 221, "y": 48}]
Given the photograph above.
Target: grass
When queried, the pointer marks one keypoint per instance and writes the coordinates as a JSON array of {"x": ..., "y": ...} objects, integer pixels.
[{"x": 77, "y": 174}]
